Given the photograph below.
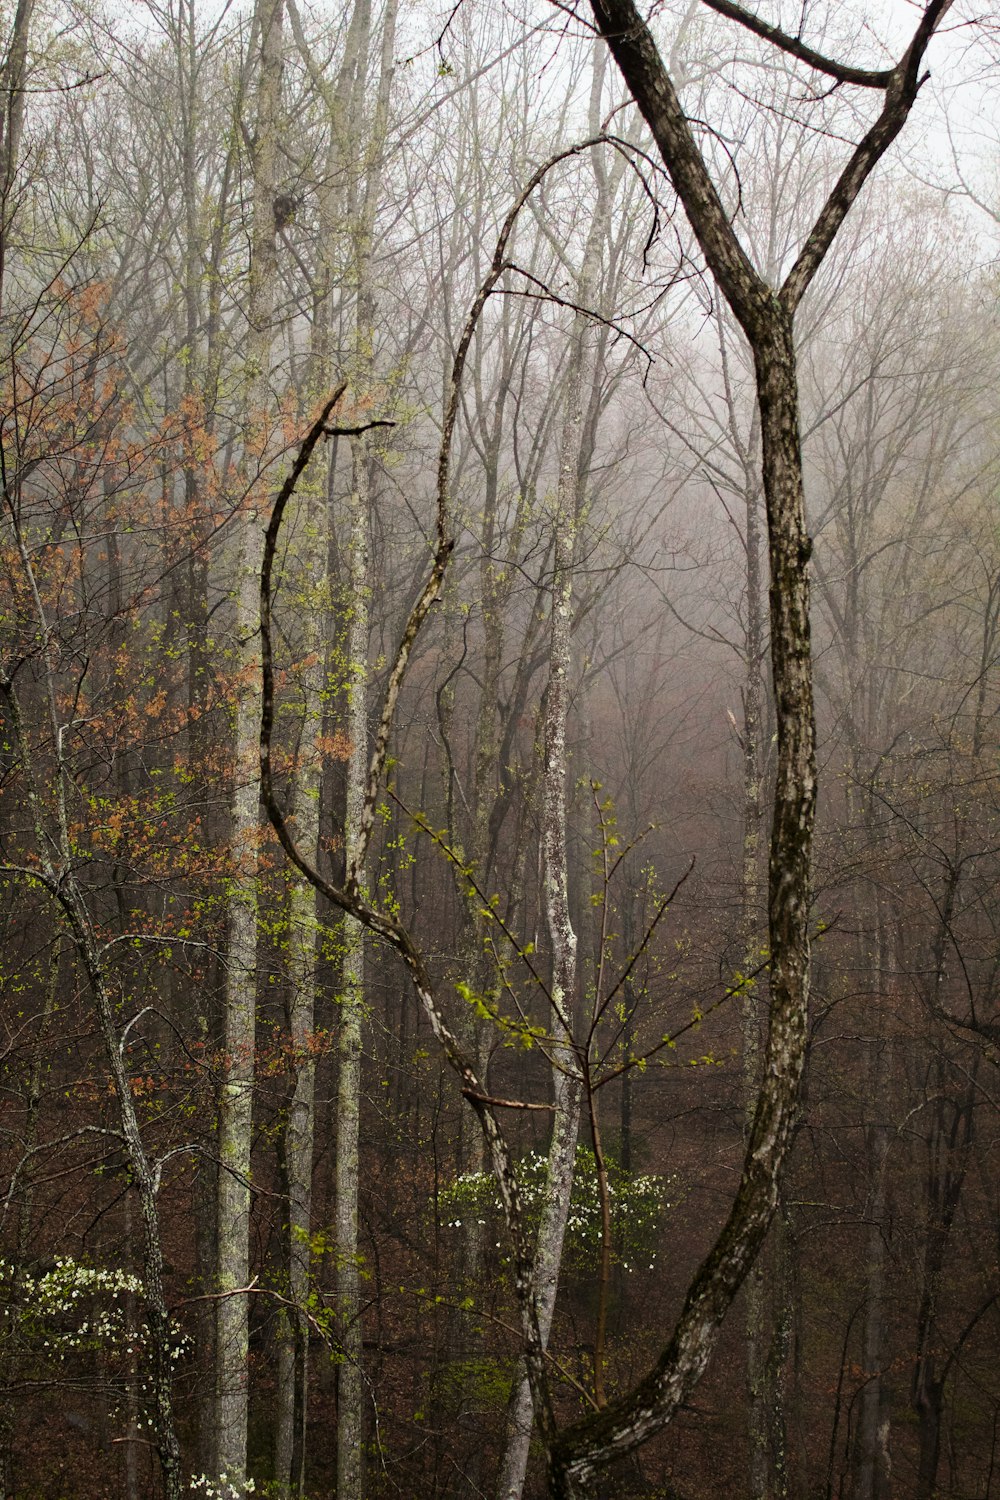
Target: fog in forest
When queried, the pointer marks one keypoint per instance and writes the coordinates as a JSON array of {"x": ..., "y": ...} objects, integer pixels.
[{"x": 499, "y": 810}]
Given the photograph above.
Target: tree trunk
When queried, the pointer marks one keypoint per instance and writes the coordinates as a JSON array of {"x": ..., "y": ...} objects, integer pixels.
[
  {"x": 350, "y": 1382},
  {"x": 766, "y": 317},
  {"x": 334, "y": 198},
  {"x": 13, "y": 80},
  {"x": 350, "y": 1387},
  {"x": 303, "y": 952},
  {"x": 236, "y": 1094},
  {"x": 751, "y": 942},
  {"x": 566, "y": 1074},
  {"x": 871, "y": 1462}
]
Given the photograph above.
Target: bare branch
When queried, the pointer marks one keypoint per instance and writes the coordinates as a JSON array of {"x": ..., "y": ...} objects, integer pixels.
[
  {"x": 795, "y": 47},
  {"x": 900, "y": 95}
]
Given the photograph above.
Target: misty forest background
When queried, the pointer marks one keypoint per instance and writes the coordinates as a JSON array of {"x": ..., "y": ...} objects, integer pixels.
[{"x": 213, "y": 219}]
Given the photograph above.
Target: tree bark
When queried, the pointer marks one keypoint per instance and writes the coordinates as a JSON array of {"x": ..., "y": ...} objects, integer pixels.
[
  {"x": 334, "y": 206},
  {"x": 350, "y": 1388},
  {"x": 350, "y": 1381},
  {"x": 236, "y": 1094},
  {"x": 13, "y": 78},
  {"x": 751, "y": 945},
  {"x": 767, "y": 318},
  {"x": 567, "y": 1075}
]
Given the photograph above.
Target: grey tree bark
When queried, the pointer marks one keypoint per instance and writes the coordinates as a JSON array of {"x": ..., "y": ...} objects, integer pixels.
[
  {"x": 236, "y": 1093},
  {"x": 203, "y": 343},
  {"x": 350, "y": 1381},
  {"x": 342, "y": 101},
  {"x": 567, "y": 1074},
  {"x": 766, "y": 1292}
]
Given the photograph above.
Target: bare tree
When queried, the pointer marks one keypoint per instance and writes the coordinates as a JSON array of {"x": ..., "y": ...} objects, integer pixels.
[{"x": 766, "y": 316}]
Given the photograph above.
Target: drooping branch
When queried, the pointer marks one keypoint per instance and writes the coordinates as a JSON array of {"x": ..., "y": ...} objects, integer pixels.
[{"x": 349, "y": 900}]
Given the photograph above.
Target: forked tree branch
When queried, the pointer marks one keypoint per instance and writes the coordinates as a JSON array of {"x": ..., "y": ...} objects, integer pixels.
[
  {"x": 901, "y": 93},
  {"x": 751, "y": 299},
  {"x": 766, "y": 316}
]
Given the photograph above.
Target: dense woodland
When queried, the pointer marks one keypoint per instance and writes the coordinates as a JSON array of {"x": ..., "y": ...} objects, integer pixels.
[{"x": 394, "y": 711}]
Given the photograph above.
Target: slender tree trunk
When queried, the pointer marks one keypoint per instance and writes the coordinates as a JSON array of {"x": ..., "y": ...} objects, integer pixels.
[
  {"x": 236, "y": 1095},
  {"x": 201, "y": 371},
  {"x": 146, "y": 1179},
  {"x": 566, "y": 1075},
  {"x": 350, "y": 1387},
  {"x": 303, "y": 948},
  {"x": 562, "y": 940},
  {"x": 872, "y": 1463},
  {"x": 13, "y": 80},
  {"x": 335, "y": 198},
  {"x": 350, "y": 1383}
]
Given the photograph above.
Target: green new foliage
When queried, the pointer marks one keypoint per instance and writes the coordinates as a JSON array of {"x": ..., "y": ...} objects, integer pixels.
[
  {"x": 515, "y": 1032},
  {"x": 638, "y": 1202},
  {"x": 482, "y": 1384}
]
